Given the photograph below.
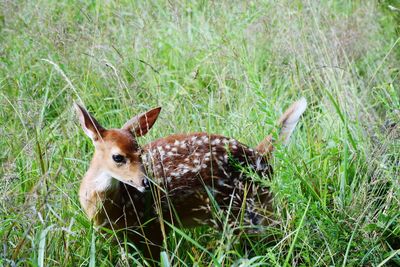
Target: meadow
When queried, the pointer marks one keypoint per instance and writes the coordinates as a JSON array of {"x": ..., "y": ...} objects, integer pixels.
[{"x": 227, "y": 67}]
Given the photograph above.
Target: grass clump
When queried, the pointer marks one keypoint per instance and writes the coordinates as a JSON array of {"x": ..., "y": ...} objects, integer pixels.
[{"x": 223, "y": 67}]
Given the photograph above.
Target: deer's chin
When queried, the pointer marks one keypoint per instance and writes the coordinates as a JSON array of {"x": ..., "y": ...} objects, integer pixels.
[{"x": 140, "y": 188}]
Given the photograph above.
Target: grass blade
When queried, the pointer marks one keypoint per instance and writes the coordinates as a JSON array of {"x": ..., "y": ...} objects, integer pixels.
[
  {"x": 92, "y": 262},
  {"x": 297, "y": 234},
  {"x": 42, "y": 245}
]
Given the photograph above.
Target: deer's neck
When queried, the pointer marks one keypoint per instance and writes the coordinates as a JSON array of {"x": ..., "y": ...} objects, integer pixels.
[{"x": 96, "y": 187}]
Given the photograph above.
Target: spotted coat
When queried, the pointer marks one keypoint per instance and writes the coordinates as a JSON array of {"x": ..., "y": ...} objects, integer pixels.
[{"x": 190, "y": 167}]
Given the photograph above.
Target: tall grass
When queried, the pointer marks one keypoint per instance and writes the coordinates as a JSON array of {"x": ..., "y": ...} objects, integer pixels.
[{"x": 227, "y": 67}]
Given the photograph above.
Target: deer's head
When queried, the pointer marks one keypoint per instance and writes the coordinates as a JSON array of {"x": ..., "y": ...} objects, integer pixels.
[{"x": 117, "y": 153}]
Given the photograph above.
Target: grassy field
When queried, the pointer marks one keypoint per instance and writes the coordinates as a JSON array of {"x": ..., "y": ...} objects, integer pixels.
[{"x": 227, "y": 67}]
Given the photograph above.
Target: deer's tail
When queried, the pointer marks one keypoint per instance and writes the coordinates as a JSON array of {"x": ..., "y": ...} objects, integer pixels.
[{"x": 286, "y": 123}]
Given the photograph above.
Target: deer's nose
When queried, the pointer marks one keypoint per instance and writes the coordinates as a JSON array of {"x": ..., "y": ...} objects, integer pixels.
[{"x": 145, "y": 183}]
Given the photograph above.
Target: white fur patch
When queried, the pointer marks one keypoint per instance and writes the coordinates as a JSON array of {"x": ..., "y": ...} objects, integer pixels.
[
  {"x": 115, "y": 151},
  {"x": 175, "y": 174},
  {"x": 104, "y": 181},
  {"x": 216, "y": 142}
]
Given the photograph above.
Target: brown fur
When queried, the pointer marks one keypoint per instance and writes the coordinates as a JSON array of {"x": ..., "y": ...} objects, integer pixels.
[{"x": 187, "y": 172}]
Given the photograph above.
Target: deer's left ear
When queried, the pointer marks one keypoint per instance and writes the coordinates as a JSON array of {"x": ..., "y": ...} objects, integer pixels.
[{"x": 141, "y": 124}]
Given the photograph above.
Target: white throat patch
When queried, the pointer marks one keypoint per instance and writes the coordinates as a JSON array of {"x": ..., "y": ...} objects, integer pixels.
[{"x": 104, "y": 181}]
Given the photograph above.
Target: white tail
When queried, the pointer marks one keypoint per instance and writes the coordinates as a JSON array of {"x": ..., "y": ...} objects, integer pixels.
[
  {"x": 286, "y": 123},
  {"x": 289, "y": 119}
]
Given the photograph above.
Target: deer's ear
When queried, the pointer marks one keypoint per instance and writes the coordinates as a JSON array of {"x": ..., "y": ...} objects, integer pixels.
[
  {"x": 89, "y": 124},
  {"x": 141, "y": 124}
]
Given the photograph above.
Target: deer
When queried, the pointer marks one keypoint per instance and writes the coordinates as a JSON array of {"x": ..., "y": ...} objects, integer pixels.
[{"x": 179, "y": 179}]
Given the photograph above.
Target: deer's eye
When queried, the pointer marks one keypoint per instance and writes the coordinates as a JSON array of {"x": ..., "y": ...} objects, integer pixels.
[{"x": 119, "y": 158}]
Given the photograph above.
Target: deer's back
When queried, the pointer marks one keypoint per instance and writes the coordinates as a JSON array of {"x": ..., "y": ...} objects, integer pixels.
[{"x": 186, "y": 164}]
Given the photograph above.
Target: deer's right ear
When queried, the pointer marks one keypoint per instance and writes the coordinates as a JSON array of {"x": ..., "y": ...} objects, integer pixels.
[{"x": 89, "y": 124}]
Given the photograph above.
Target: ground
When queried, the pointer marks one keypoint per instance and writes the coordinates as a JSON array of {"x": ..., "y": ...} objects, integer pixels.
[{"x": 225, "y": 67}]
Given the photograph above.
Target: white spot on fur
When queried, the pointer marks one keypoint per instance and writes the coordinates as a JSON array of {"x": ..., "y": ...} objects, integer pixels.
[
  {"x": 177, "y": 143},
  {"x": 145, "y": 159},
  {"x": 175, "y": 174},
  {"x": 196, "y": 169},
  {"x": 167, "y": 147},
  {"x": 216, "y": 142},
  {"x": 174, "y": 149},
  {"x": 160, "y": 150}
]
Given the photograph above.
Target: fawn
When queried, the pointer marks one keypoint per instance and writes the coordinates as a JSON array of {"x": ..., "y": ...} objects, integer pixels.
[{"x": 177, "y": 179}]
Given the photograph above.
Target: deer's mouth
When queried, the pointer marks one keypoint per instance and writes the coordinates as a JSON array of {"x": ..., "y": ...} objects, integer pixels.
[
  {"x": 138, "y": 180},
  {"x": 141, "y": 187}
]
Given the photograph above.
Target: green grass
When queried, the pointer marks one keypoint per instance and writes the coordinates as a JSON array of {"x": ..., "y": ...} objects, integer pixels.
[{"x": 227, "y": 67}]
